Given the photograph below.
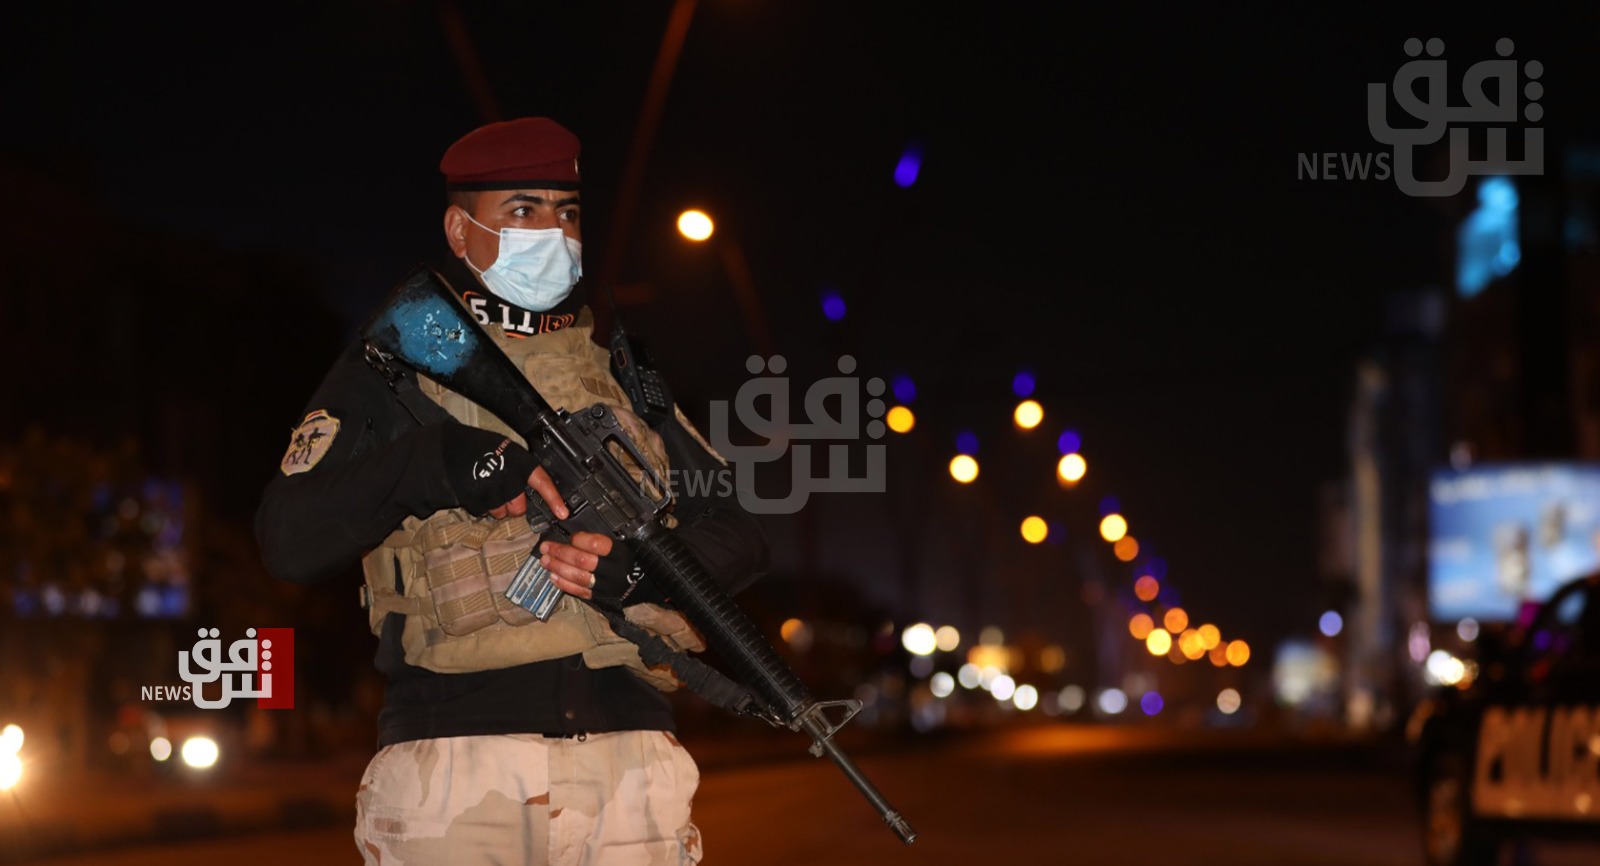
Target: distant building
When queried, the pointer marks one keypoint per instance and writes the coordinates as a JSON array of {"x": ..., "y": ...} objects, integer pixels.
[{"x": 1502, "y": 366}]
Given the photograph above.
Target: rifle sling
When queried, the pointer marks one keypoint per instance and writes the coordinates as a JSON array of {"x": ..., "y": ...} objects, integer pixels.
[{"x": 701, "y": 678}]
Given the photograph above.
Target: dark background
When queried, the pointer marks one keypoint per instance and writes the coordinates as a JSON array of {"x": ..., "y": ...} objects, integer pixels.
[{"x": 204, "y": 202}]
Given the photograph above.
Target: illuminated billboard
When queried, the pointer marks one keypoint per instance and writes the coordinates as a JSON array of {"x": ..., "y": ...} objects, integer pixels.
[{"x": 1502, "y": 534}]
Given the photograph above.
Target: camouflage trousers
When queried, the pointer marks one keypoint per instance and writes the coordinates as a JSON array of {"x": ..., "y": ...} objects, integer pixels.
[{"x": 617, "y": 798}]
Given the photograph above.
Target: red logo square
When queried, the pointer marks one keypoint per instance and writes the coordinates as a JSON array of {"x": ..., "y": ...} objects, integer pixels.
[{"x": 277, "y": 661}]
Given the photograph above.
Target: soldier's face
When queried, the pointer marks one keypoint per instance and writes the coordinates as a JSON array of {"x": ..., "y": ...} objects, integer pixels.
[{"x": 496, "y": 209}]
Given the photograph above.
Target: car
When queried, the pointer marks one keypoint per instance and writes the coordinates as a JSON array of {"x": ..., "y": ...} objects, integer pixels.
[{"x": 1513, "y": 753}]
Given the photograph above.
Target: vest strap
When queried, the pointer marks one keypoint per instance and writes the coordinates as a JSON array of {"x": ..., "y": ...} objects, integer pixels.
[{"x": 387, "y": 601}]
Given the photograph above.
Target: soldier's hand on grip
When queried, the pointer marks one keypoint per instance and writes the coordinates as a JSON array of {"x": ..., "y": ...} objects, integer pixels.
[
  {"x": 486, "y": 471},
  {"x": 592, "y": 564}
]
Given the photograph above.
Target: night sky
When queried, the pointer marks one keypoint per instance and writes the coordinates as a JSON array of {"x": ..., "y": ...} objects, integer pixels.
[{"x": 1109, "y": 201}]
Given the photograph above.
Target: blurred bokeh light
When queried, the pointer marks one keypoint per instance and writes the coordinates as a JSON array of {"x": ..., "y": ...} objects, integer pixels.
[
  {"x": 695, "y": 225},
  {"x": 1028, "y": 414},
  {"x": 1113, "y": 527},
  {"x": 1146, "y": 588},
  {"x": 900, "y": 419},
  {"x": 963, "y": 468},
  {"x": 1158, "y": 642},
  {"x": 1034, "y": 529}
]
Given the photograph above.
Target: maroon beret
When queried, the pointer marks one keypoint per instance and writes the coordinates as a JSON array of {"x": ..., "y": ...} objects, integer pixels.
[{"x": 526, "y": 153}]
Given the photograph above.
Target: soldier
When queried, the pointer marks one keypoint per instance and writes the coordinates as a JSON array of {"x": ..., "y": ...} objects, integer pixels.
[{"x": 501, "y": 739}]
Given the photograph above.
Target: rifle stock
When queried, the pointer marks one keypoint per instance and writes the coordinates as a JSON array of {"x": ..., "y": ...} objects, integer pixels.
[{"x": 425, "y": 326}]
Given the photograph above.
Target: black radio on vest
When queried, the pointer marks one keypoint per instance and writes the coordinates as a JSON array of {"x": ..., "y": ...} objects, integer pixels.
[{"x": 632, "y": 367}]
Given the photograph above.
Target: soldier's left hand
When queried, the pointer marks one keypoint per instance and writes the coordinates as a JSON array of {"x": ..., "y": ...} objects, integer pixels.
[{"x": 572, "y": 566}]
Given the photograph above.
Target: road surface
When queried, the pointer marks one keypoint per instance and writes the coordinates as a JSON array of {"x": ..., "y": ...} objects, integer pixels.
[{"x": 1057, "y": 795}]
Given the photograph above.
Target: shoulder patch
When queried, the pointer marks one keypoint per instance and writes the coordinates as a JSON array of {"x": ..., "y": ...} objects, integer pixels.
[{"x": 309, "y": 442}]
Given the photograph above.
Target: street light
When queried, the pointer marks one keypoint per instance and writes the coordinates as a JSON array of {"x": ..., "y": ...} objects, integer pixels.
[
  {"x": 1113, "y": 527},
  {"x": 900, "y": 419},
  {"x": 1238, "y": 653},
  {"x": 1158, "y": 641},
  {"x": 695, "y": 225},
  {"x": 1146, "y": 588},
  {"x": 1071, "y": 468},
  {"x": 1028, "y": 414},
  {"x": 1034, "y": 529},
  {"x": 963, "y": 468}
]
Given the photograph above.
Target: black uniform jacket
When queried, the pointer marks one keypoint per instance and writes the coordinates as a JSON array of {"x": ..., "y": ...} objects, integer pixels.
[{"x": 384, "y": 465}]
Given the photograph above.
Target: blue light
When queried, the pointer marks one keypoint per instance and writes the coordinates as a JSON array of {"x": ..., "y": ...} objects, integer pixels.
[
  {"x": 905, "y": 171},
  {"x": 1156, "y": 568},
  {"x": 904, "y": 389},
  {"x": 832, "y": 305},
  {"x": 1498, "y": 194},
  {"x": 1486, "y": 243},
  {"x": 967, "y": 442},
  {"x": 1151, "y": 703},
  {"x": 1506, "y": 260},
  {"x": 1023, "y": 383},
  {"x": 1331, "y": 623},
  {"x": 1110, "y": 505},
  {"x": 1070, "y": 442},
  {"x": 1057, "y": 533}
]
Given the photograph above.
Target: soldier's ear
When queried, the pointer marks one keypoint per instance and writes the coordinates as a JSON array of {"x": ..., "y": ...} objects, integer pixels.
[{"x": 455, "y": 229}]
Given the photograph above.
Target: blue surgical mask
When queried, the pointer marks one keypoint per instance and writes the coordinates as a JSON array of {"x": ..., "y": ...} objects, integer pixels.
[{"x": 536, "y": 269}]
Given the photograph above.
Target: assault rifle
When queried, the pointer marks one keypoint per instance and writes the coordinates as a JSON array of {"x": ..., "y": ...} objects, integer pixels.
[{"x": 425, "y": 326}]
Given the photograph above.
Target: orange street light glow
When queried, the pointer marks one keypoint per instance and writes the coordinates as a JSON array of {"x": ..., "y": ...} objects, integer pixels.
[
  {"x": 1146, "y": 588},
  {"x": 695, "y": 225},
  {"x": 1210, "y": 636},
  {"x": 1126, "y": 548},
  {"x": 1034, "y": 529},
  {"x": 900, "y": 419},
  {"x": 1191, "y": 645},
  {"x": 1176, "y": 620},
  {"x": 1113, "y": 527},
  {"x": 963, "y": 468},
  {"x": 1141, "y": 625},
  {"x": 1028, "y": 415},
  {"x": 1238, "y": 653}
]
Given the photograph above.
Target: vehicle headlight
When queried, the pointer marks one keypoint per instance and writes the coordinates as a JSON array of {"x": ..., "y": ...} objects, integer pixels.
[
  {"x": 10, "y": 765},
  {"x": 200, "y": 752},
  {"x": 10, "y": 771},
  {"x": 10, "y": 740}
]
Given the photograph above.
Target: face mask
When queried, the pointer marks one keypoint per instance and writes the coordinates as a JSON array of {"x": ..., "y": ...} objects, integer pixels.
[{"x": 536, "y": 269}]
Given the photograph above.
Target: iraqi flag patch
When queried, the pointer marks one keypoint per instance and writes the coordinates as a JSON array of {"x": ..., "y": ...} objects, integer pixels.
[{"x": 309, "y": 442}]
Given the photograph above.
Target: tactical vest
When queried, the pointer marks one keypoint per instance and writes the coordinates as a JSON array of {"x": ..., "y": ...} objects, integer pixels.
[{"x": 453, "y": 568}]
